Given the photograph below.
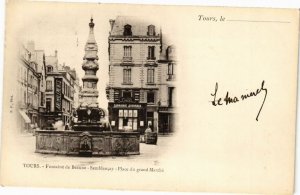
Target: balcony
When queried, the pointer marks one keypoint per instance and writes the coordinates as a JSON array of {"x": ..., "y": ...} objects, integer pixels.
[
  {"x": 151, "y": 83},
  {"x": 171, "y": 77},
  {"x": 127, "y": 60},
  {"x": 151, "y": 61},
  {"x": 127, "y": 83}
]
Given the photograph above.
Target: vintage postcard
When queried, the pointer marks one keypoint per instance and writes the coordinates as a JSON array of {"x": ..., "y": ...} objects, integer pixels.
[{"x": 144, "y": 97}]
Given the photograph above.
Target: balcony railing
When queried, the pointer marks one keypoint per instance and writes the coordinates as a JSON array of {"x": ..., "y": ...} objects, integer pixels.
[
  {"x": 127, "y": 60},
  {"x": 151, "y": 58},
  {"x": 151, "y": 61},
  {"x": 171, "y": 77}
]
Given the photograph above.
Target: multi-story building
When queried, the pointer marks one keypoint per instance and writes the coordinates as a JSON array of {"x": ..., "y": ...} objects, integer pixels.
[
  {"x": 167, "y": 90},
  {"x": 38, "y": 56},
  {"x": 135, "y": 75},
  {"x": 28, "y": 89},
  {"x": 59, "y": 91}
]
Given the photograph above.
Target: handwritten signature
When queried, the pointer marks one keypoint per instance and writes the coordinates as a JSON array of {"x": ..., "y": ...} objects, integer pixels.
[{"x": 228, "y": 100}]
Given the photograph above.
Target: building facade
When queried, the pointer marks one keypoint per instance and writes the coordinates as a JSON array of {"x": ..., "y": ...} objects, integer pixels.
[
  {"x": 136, "y": 74},
  {"x": 59, "y": 95},
  {"x": 38, "y": 56},
  {"x": 28, "y": 97},
  {"x": 167, "y": 90}
]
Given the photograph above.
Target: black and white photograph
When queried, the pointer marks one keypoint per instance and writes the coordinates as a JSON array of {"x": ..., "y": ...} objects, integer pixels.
[
  {"x": 175, "y": 98},
  {"x": 61, "y": 105}
]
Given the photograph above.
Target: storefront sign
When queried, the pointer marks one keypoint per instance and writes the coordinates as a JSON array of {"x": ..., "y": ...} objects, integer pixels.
[
  {"x": 127, "y": 106},
  {"x": 58, "y": 94}
]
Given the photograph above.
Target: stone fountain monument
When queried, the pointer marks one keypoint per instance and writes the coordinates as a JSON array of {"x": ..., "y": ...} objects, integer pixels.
[
  {"x": 88, "y": 136},
  {"x": 89, "y": 114}
]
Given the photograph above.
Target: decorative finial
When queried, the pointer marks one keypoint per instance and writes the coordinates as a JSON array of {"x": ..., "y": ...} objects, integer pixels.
[{"x": 91, "y": 24}]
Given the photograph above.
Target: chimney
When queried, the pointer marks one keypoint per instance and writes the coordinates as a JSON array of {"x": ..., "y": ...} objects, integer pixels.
[
  {"x": 55, "y": 53},
  {"x": 112, "y": 22}
]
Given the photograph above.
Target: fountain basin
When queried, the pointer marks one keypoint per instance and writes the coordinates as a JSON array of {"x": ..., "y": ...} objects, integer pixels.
[{"x": 84, "y": 143}]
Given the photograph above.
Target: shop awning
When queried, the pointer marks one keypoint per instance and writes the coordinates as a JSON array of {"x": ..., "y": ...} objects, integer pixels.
[{"x": 25, "y": 117}]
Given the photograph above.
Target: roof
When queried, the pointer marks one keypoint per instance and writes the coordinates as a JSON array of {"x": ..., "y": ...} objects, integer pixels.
[
  {"x": 138, "y": 27},
  {"x": 165, "y": 54}
]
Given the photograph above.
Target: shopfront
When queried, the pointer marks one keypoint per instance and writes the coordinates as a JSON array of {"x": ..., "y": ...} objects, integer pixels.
[
  {"x": 166, "y": 120},
  {"x": 128, "y": 116}
]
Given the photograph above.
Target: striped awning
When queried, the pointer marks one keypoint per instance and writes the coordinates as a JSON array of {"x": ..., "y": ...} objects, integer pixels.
[{"x": 25, "y": 117}]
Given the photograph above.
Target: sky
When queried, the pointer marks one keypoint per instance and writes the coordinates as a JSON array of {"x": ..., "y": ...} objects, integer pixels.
[{"x": 47, "y": 33}]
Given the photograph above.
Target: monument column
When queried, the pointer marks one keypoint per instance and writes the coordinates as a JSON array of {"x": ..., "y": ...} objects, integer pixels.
[
  {"x": 89, "y": 93},
  {"x": 88, "y": 113}
]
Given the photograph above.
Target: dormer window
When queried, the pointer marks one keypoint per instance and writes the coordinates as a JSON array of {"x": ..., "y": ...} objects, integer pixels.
[
  {"x": 170, "y": 52},
  {"x": 49, "y": 69},
  {"x": 127, "y": 30},
  {"x": 151, "y": 30}
]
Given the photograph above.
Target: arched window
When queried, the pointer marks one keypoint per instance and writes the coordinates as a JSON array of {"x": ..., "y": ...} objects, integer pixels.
[
  {"x": 151, "y": 30},
  {"x": 127, "y": 30},
  {"x": 49, "y": 68}
]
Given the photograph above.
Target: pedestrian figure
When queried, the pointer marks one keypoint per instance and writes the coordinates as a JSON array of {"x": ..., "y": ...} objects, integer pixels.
[{"x": 67, "y": 126}]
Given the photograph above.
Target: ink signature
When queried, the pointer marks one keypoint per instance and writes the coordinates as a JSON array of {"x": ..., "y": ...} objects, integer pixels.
[{"x": 230, "y": 99}]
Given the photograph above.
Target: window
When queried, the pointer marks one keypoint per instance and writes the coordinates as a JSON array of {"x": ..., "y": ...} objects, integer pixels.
[
  {"x": 25, "y": 102},
  {"x": 151, "y": 52},
  {"x": 127, "y": 96},
  {"x": 170, "y": 52},
  {"x": 171, "y": 89},
  {"x": 48, "y": 85},
  {"x": 151, "y": 30},
  {"x": 48, "y": 104},
  {"x": 127, "y": 30},
  {"x": 150, "y": 97},
  {"x": 127, "y": 76},
  {"x": 128, "y": 119},
  {"x": 171, "y": 75},
  {"x": 127, "y": 51},
  {"x": 63, "y": 88},
  {"x": 170, "y": 69},
  {"x": 150, "y": 75},
  {"x": 49, "y": 69},
  {"x": 42, "y": 98}
]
